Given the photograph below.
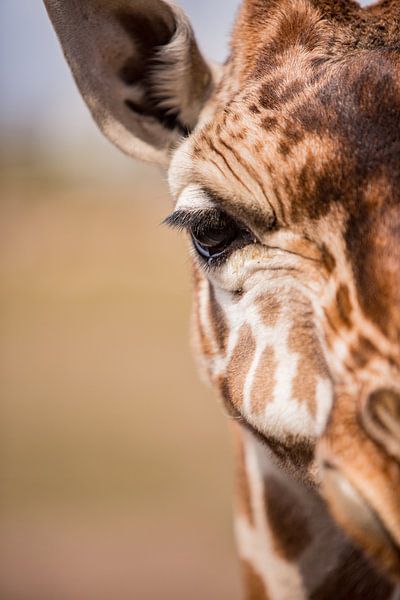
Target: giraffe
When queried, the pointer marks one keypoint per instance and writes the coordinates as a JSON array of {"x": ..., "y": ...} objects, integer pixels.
[{"x": 283, "y": 166}]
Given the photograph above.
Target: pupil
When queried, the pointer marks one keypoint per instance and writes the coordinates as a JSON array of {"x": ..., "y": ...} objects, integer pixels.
[
  {"x": 216, "y": 236},
  {"x": 212, "y": 241}
]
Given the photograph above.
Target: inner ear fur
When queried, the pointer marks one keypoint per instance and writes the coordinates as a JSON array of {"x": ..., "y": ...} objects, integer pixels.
[{"x": 138, "y": 67}]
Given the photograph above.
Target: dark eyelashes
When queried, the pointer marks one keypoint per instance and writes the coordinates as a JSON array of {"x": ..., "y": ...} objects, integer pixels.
[{"x": 193, "y": 220}]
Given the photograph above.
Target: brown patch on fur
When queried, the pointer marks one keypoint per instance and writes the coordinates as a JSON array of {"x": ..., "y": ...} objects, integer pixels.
[
  {"x": 338, "y": 314},
  {"x": 269, "y": 123},
  {"x": 291, "y": 90},
  {"x": 311, "y": 365},
  {"x": 270, "y": 309},
  {"x": 363, "y": 351},
  {"x": 254, "y": 585},
  {"x": 232, "y": 385},
  {"x": 366, "y": 345},
  {"x": 287, "y": 522},
  {"x": 262, "y": 390},
  {"x": 359, "y": 359},
  {"x": 373, "y": 240},
  {"x": 293, "y": 134},
  {"x": 316, "y": 187},
  {"x": 269, "y": 97},
  {"x": 284, "y": 148}
]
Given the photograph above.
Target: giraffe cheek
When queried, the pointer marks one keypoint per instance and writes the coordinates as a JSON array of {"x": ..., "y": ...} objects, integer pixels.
[{"x": 232, "y": 381}]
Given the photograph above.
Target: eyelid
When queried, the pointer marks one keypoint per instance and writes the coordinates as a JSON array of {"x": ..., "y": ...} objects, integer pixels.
[
  {"x": 195, "y": 222},
  {"x": 201, "y": 219}
]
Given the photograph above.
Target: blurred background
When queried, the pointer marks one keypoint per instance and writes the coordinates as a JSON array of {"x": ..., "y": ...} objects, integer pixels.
[{"x": 115, "y": 468}]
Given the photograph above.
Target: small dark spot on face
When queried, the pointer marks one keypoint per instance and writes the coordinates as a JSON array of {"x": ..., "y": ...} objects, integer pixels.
[
  {"x": 269, "y": 123},
  {"x": 254, "y": 109},
  {"x": 196, "y": 151},
  {"x": 283, "y": 148},
  {"x": 269, "y": 97}
]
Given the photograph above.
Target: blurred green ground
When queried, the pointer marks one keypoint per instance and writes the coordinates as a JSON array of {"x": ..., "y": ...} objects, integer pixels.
[{"x": 115, "y": 466}]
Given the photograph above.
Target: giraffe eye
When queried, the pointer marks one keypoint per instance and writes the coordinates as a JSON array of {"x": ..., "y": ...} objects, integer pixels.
[
  {"x": 213, "y": 238},
  {"x": 214, "y": 233}
]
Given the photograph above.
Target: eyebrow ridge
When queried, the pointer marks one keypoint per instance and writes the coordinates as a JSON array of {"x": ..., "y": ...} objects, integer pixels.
[{"x": 186, "y": 218}]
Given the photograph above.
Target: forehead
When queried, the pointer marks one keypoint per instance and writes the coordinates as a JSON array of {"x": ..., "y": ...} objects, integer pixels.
[
  {"x": 309, "y": 101},
  {"x": 308, "y": 135}
]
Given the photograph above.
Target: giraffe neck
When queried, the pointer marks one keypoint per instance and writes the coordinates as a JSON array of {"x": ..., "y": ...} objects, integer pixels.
[{"x": 288, "y": 544}]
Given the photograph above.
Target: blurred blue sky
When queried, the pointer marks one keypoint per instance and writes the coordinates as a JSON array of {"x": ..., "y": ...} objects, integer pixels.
[{"x": 37, "y": 90}]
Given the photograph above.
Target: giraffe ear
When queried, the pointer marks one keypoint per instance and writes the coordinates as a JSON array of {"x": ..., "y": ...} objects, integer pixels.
[{"x": 138, "y": 67}]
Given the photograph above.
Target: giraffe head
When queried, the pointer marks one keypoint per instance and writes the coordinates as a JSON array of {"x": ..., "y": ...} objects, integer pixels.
[{"x": 284, "y": 166}]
